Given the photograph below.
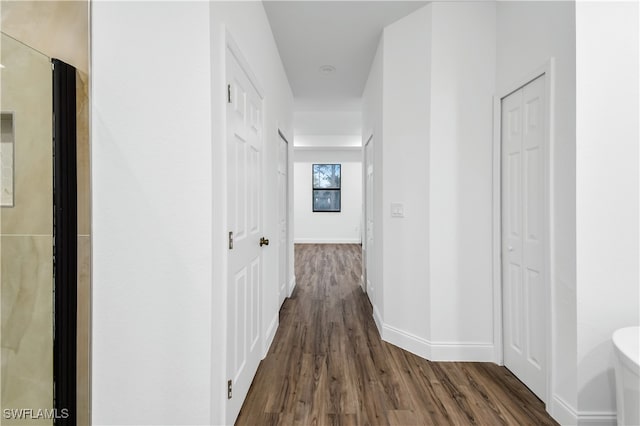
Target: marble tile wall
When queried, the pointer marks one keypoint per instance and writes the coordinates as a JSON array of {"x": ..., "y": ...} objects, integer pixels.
[
  {"x": 84, "y": 252},
  {"x": 26, "y": 243},
  {"x": 58, "y": 29}
]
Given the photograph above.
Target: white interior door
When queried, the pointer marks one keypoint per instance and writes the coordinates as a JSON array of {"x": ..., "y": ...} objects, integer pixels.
[
  {"x": 368, "y": 216},
  {"x": 524, "y": 198},
  {"x": 244, "y": 174},
  {"x": 283, "y": 206}
]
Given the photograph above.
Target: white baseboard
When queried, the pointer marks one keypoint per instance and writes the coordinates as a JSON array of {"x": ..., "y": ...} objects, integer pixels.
[
  {"x": 271, "y": 334},
  {"x": 407, "y": 341},
  {"x": 438, "y": 351},
  {"x": 565, "y": 414},
  {"x": 462, "y": 351},
  {"x": 562, "y": 411},
  {"x": 327, "y": 241},
  {"x": 377, "y": 318},
  {"x": 593, "y": 418},
  {"x": 292, "y": 286}
]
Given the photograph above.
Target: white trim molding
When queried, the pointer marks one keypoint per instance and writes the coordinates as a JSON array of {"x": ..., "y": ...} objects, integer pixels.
[
  {"x": 377, "y": 318},
  {"x": 438, "y": 351},
  {"x": 327, "y": 148},
  {"x": 292, "y": 286},
  {"x": 562, "y": 411},
  {"x": 327, "y": 241},
  {"x": 565, "y": 414},
  {"x": 596, "y": 418},
  {"x": 271, "y": 334}
]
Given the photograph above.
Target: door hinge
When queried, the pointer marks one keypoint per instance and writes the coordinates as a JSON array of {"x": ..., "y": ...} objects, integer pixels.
[
  {"x": 229, "y": 389},
  {"x": 230, "y": 240},
  {"x": 228, "y": 93}
]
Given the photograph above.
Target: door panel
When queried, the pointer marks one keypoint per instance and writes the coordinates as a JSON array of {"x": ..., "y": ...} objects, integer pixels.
[
  {"x": 523, "y": 235},
  {"x": 244, "y": 215}
]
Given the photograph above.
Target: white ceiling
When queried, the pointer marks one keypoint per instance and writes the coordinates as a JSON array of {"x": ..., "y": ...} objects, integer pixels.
[{"x": 343, "y": 34}]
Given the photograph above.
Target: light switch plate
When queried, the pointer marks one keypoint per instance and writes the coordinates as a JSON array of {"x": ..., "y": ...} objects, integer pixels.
[{"x": 397, "y": 210}]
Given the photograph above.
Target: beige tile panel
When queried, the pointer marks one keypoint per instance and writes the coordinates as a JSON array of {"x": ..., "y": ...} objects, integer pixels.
[
  {"x": 83, "y": 161},
  {"x": 26, "y": 341},
  {"x": 84, "y": 327},
  {"x": 26, "y": 89},
  {"x": 60, "y": 29}
]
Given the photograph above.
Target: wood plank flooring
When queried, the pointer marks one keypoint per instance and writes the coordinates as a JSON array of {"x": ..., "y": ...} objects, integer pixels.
[{"x": 327, "y": 364}]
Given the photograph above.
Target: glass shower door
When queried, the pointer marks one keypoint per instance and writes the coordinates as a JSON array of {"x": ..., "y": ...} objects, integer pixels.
[{"x": 26, "y": 240}]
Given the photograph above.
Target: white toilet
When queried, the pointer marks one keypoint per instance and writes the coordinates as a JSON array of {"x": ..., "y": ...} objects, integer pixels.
[{"x": 626, "y": 343}]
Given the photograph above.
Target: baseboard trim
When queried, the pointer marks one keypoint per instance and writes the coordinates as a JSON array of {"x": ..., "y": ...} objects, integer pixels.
[
  {"x": 438, "y": 351},
  {"x": 377, "y": 318},
  {"x": 292, "y": 286},
  {"x": 271, "y": 334},
  {"x": 327, "y": 241},
  {"x": 562, "y": 411},
  {"x": 407, "y": 341},
  {"x": 462, "y": 351},
  {"x": 594, "y": 418}
]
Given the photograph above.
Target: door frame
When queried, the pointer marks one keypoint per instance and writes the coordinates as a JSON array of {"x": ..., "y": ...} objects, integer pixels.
[
  {"x": 365, "y": 234},
  {"x": 548, "y": 70},
  {"x": 288, "y": 268},
  {"x": 65, "y": 237},
  {"x": 232, "y": 48}
]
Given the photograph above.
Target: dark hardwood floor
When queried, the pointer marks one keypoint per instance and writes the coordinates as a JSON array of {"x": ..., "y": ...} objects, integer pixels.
[{"x": 327, "y": 364}]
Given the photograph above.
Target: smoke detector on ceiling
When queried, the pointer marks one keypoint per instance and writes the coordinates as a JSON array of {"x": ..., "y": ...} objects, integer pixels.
[{"x": 327, "y": 69}]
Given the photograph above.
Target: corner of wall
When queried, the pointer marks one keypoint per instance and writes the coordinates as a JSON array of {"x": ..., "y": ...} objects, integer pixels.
[
  {"x": 562, "y": 411},
  {"x": 292, "y": 285}
]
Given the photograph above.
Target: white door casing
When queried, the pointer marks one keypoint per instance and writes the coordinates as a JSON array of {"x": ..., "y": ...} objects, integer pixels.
[
  {"x": 368, "y": 217},
  {"x": 524, "y": 233},
  {"x": 244, "y": 218},
  {"x": 283, "y": 207}
]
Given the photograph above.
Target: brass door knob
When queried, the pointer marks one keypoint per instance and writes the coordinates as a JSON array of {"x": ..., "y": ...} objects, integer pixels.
[{"x": 264, "y": 241}]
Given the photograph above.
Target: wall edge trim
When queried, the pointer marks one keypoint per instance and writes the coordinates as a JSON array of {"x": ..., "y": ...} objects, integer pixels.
[
  {"x": 327, "y": 241},
  {"x": 270, "y": 334},
  {"x": 562, "y": 411},
  {"x": 438, "y": 351}
]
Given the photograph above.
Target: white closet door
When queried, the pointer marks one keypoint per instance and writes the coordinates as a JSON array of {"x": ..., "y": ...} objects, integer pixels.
[{"x": 523, "y": 232}]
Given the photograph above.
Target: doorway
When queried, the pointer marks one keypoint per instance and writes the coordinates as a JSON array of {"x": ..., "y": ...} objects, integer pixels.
[
  {"x": 283, "y": 216},
  {"x": 525, "y": 195},
  {"x": 367, "y": 247},
  {"x": 245, "y": 222}
]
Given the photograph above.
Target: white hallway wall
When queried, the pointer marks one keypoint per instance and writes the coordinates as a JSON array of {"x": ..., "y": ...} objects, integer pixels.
[
  {"x": 608, "y": 258},
  {"x": 143, "y": 245},
  {"x": 404, "y": 154},
  {"x": 159, "y": 292},
  {"x": 152, "y": 206},
  {"x": 429, "y": 95},
  {"x": 317, "y": 227},
  {"x": 462, "y": 85},
  {"x": 372, "y": 128},
  {"x": 528, "y": 34}
]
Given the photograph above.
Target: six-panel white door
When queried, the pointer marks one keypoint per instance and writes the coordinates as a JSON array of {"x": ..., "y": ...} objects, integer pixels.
[
  {"x": 244, "y": 215},
  {"x": 524, "y": 198}
]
